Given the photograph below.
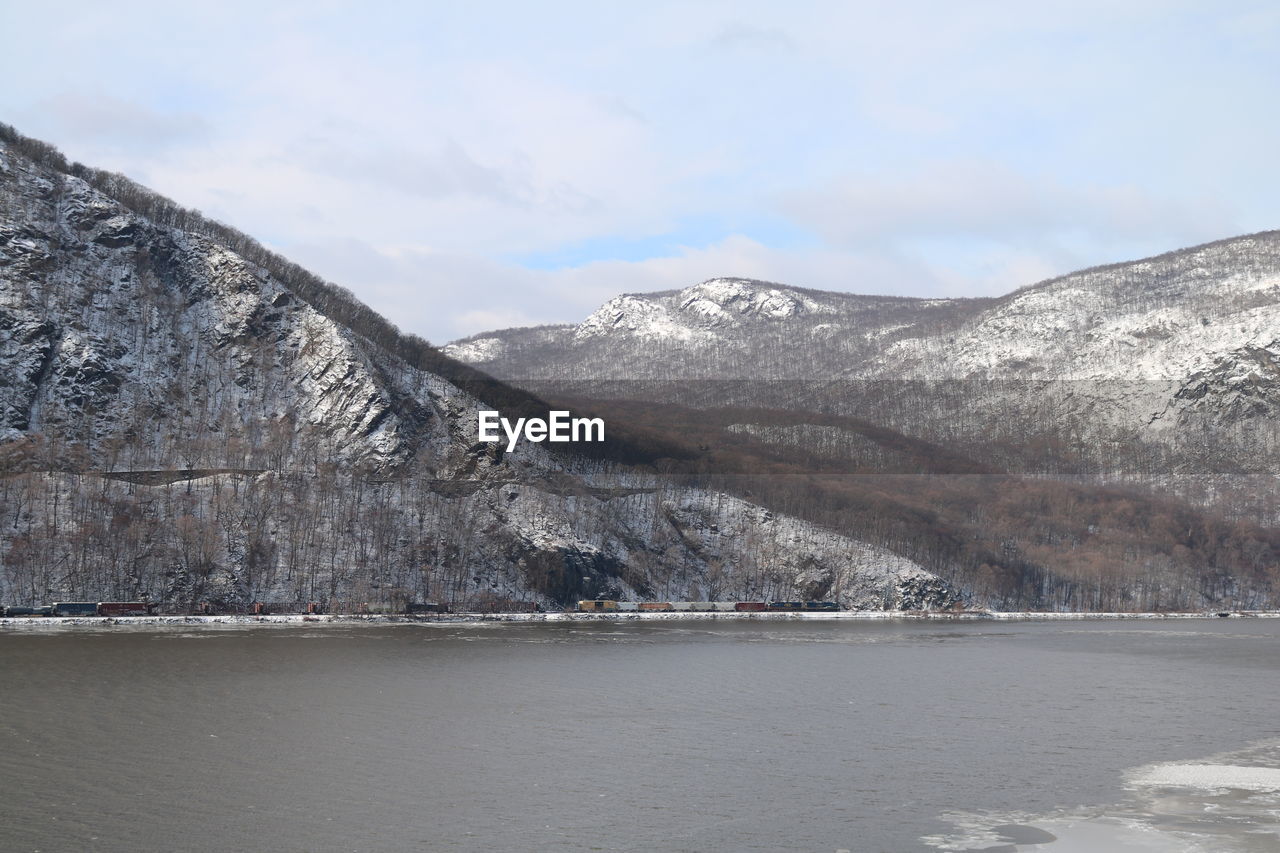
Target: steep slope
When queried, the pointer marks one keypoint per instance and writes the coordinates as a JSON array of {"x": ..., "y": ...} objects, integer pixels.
[
  {"x": 173, "y": 347},
  {"x": 180, "y": 420}
]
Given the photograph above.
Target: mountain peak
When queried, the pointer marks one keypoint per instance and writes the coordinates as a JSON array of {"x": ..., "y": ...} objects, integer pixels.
[
  {"x": 720, "y": 299},
  {"x": 695, "y": 313}
]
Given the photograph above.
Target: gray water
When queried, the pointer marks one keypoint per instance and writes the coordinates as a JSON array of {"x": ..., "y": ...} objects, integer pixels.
[{"x": 688, "y": 736}]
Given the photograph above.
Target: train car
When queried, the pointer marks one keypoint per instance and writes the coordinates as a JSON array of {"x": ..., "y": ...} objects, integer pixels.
[
  {"x": 125, "y": 608},
  {"x": 683, "y": 606},
  {"x": 724, "y": 606},
  {"x": 598, "y": 605},
  {"x": 749, "y": 606},
  {"x": 376, "y": 609},
  {"x": 271, "y": 608},
  {"x": 493, "y": 604},
  {"x": 417, "y": 607},
  {"x": 75, "y": 608},
  {"x": 628, "y": 606},
  {"x": 656, "y": 606},
  {"x": 821, "y": 605},
  {"x": 523, "y": 607},
  {"x": 786, "y": 605}
]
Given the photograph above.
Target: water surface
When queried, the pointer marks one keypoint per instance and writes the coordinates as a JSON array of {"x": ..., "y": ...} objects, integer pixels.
[{"x": 683, "y": 736}]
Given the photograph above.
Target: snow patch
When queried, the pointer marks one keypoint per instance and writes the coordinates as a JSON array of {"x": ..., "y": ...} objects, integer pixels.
[{"x": 1213, "y": 777}]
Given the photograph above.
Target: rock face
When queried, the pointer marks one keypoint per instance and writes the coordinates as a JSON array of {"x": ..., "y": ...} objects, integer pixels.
[
  {"x": 696, "y": 313},
  {"x": 180, "y": 422},
  {"x": 126, "y": 332}
]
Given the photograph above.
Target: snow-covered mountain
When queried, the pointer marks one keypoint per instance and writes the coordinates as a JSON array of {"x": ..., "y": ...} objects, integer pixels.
[
  {"x": 195, "y": 420},
  {"x": 1116, "y": 423},
  {"x": 1163, "y": 318},
  {"x": 725, "y": 328},
  {"x": 1153, "y": 355}
]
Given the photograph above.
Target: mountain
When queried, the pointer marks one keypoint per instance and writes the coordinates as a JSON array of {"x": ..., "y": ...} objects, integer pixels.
[
  {"x": 185, "y": 415},
  {"x": 1132, "y": 363},
  {"x": 721, "y": 329},
  {"x": 1131, "y": 409},
  {"x": 1162, "y": 318}
]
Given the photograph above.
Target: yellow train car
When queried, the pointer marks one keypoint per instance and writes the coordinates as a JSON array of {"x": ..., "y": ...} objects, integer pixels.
[{"x": 597, "y": 605}]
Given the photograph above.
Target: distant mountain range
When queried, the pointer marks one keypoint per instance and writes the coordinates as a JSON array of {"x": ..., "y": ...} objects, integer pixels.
[
  {"x": 1155, "y": 381},
  {"x": 1144, "y": 358}
]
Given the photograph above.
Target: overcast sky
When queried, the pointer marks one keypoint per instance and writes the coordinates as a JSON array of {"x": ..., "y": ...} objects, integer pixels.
[{"x": 464, "y": 167}]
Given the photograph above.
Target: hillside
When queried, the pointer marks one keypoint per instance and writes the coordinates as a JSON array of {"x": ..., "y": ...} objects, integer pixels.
[
  {"x": 1104, "y": 399},
  {"x": 186, "y": 416},
  {"x": 1120, "y": 370}
]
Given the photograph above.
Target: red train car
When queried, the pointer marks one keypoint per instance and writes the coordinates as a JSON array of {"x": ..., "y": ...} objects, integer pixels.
[
  {"x": 656, "y": 606},
  {"x": 125, "y": 608},
  {"x": 750, "y": 606}
]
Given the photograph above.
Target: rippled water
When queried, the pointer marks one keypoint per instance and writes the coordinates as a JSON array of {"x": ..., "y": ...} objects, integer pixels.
[{"x": 687, "y": 736}]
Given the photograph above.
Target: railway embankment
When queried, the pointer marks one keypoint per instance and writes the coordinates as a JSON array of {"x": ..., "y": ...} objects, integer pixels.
[{"x": 55, "y": 623}]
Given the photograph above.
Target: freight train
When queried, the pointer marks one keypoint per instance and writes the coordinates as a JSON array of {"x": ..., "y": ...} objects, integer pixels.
[
  {"x": 609, "y": 605},
  {"x": 84, "y": 608},
  {"x": 596, "y": 605},
  {"x": 258, "y": 608}
]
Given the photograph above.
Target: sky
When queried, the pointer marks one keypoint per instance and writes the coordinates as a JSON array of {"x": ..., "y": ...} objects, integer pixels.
[{"x": 467, "y": 167}]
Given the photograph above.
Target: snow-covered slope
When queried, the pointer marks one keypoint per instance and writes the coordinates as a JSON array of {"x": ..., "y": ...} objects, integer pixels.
[
  {"x": 724, "y": 328},
  {"x": 696, "y": 313},
  {"x": 1158, "y": 352},
  {"x": 1168, "y": 317},
  {"x": 1162, "y": 318}
]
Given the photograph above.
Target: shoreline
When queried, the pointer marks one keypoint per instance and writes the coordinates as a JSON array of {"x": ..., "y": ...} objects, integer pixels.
[{"x": 62, "y": 622}]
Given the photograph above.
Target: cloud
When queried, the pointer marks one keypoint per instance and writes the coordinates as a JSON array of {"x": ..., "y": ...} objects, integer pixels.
[
  {"x": 488, "y": 320},
  {"x": 922, "y": 148},
  {"x": 117, "y": 123},
  {"x": 445, "y": 172},
  {"x": 740, "y": 34},
  {"x": 981, "y": 203}
]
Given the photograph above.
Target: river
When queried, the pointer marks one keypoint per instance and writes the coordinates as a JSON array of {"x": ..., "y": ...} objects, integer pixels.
[{"x": 678, "y": 735}]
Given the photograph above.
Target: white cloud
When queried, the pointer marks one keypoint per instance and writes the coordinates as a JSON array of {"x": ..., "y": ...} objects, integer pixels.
[
  {"x": 117, "y": 123},
  {"x": 989, "y": 228}
]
